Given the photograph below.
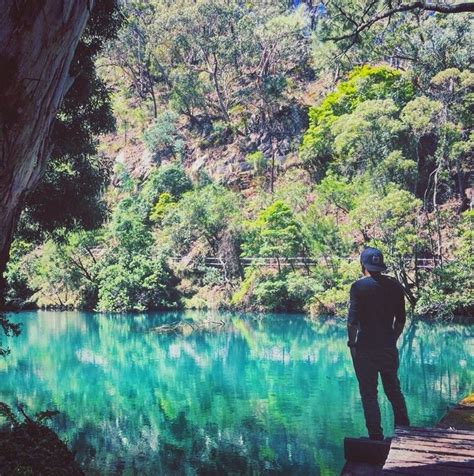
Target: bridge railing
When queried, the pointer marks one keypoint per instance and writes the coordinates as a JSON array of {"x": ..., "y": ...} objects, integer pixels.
[{"x": 294, "y": 262}]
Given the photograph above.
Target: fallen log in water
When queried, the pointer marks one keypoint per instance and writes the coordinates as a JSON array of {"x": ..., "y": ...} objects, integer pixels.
[{"x": 186, "y": 327}]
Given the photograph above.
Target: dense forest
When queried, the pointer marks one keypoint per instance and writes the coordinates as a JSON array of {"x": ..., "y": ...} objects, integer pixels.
[{"x": 239, "y": 155}]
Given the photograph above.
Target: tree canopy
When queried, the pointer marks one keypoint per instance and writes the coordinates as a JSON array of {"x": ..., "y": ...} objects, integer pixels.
[{"x": 259, "y": 149}]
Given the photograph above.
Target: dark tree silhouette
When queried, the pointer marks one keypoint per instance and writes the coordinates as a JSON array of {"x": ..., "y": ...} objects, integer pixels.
[
  {"x": 37, "y": 44},
  {"x": 46, "y": 55}
]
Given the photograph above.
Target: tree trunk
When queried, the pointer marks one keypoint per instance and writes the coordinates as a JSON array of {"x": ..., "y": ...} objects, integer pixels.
[
  {"x": 38, "y": 39},
  {"x": 220, "y": 97}
]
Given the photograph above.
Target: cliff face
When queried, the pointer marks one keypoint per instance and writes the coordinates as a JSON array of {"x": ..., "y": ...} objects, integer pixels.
[{"x": 37, "y": 43}]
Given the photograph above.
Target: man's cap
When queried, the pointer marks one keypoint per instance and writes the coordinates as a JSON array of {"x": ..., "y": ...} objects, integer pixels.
[{"x": 372, "y": 260}]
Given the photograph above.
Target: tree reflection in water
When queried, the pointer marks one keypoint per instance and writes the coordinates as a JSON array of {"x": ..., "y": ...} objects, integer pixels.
[{"x": 262, "y": 395}]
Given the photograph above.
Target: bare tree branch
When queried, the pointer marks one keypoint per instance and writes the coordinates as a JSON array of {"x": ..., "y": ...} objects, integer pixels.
[{"x": 446, "y": 8}]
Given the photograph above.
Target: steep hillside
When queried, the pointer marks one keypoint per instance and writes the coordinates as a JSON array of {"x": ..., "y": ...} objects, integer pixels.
[{"x": 253, "y": 159}]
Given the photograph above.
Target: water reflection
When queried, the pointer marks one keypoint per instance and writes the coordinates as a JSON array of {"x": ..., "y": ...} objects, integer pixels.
[{"x": 265, "y": 395}]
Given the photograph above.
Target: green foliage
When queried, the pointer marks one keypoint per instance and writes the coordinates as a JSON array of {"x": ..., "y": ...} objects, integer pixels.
[
  {"x": 131, "y": 275},
  {"x": 449, "y": 293},
  {"x": 395, "y": 168},
  {"x": 162, "y": 137},
  {"x": 188, "y": 91},
  {"x": 257, "y": 161},
  {"x": 170, "y": 179},
  {"x": 265, "y": 290},
  {"x": 53, "y": 276},
  {"x": 332, "y": 244},
  {"x": 135, "y": 282},
  {"x": 333, "y": 283},
  {"x": 69, "y": 197},
  {"x": 379, "y": 130},
  {"x": 209, "y": 60},
  {"x": 69, "y": 194},
  {"x": 301, "y": 289},
  {"x": 275, "y": 233},
  {"x": 161, "y": 207},
  {"x": 127, "y": 227},
  {"x": 338, "y": 191},
  {"x": 18, "y": 273},
  {"x": 363, "y": 83},
  {"x": 58, "y": 274},
  {"x": 422, "y": 42},
  {"x": 360, "y": 101},
  {"x": 450, "y": 289},
  {"x": 388, "y": 221},
  {"x": 122, "y": 175},
  {"x": 362, "y": 138},
  {"x": 271, "y": 293},
  {"x": 201, "y": 215},
  {"x": 421, "y": 115}
]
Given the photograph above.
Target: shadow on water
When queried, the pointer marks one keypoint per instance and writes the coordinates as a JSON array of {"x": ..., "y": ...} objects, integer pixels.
[{"x": 264, "y": 394}]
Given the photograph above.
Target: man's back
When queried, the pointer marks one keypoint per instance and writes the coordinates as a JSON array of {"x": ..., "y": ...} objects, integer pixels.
[
  {"x": 376, "y": 320},
  {"x": 375, "y": 301}
]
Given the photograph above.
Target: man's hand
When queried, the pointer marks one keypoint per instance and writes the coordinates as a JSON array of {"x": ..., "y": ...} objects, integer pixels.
[
  {"x": 398, "y": 329},
  {"x": 352, "y": 331}
]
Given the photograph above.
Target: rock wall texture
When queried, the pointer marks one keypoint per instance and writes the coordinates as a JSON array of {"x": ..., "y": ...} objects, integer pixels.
[{"x": 38, "y": 39}]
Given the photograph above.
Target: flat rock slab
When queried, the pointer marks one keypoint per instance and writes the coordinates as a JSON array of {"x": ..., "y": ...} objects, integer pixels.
[{"x": 430, "y": 451}]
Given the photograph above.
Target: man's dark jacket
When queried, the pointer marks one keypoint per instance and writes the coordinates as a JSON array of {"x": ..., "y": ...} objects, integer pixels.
[{"x": 374, "y": 303}]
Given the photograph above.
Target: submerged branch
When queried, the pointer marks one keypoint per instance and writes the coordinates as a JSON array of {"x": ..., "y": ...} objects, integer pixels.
[{"x": 186, "y": 327}]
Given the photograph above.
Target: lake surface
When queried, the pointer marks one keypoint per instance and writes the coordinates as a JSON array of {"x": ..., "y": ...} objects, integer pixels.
[{"x": 271, "y": 394}]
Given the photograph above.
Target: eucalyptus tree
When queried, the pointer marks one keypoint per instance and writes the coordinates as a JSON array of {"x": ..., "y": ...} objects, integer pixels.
[
  {"x": 355, "y": 17},
  {"x": 356, "y": 125},
  {"x": 426, "y": 37},
  {"x": 211, "y": 60},
  {"x": 276, "y": 233}
]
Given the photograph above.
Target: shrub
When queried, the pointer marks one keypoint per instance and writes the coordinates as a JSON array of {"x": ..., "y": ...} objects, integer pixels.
[
  {"x": 267, "y": 290},
  {"x": 450, "y": 289},
  {"x": 162, "y": 136},
  {"x": 138, "y": 283},
  {"x": 162, "y": 206},
  {"x": 170, "y": 179},
  {"x": 257, "y": 161}
]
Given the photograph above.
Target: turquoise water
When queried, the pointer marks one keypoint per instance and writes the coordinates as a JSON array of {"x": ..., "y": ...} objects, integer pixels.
[{"x": 266, "y": 395}]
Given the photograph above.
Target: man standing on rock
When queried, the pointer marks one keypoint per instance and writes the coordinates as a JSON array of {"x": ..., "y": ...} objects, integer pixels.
[{"x": 376, "y": 320}]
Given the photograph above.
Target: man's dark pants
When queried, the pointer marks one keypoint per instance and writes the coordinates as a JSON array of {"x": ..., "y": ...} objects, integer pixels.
[{"x": 368, "y": 363}]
